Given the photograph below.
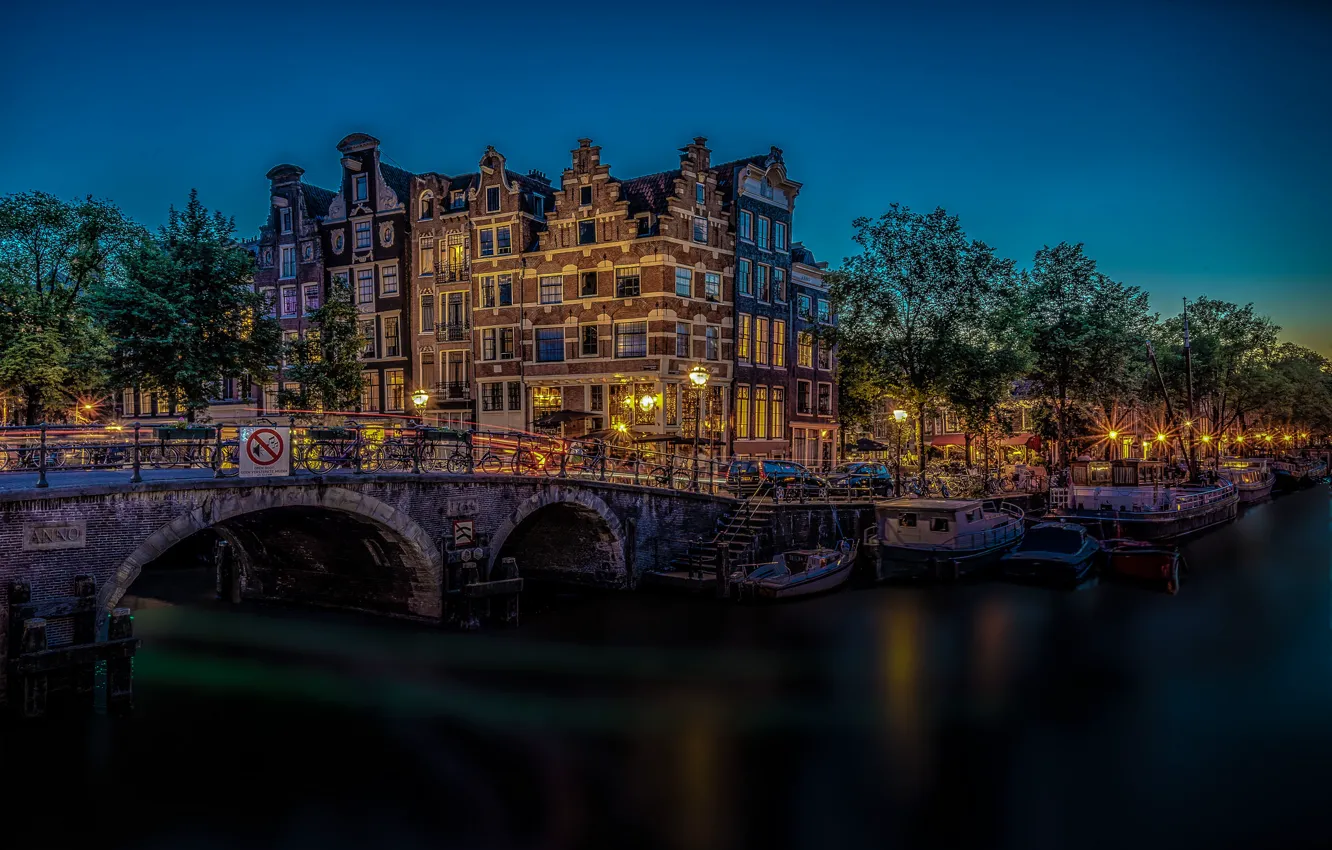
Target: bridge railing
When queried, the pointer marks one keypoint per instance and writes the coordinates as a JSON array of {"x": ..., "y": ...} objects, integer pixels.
[{"x": 354, "y": 448}]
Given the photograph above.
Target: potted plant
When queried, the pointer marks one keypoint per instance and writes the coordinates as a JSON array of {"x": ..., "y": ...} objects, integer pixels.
[{"x": 183, "y": 430}]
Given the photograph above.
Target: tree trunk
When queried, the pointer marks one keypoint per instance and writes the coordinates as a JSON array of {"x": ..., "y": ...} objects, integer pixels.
[
  {"x": 920, "y": 430},
  {"x": 32, "y": 404},
  {"x": 1060, "y": 427}
]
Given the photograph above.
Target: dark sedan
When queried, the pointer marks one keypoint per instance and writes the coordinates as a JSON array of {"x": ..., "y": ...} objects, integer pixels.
[{"x": 876, "y": 476}]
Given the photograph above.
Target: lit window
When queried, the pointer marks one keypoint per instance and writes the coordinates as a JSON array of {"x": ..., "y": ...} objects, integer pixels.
[
  {"x": 549, "y": 344},
  {"x": 684, "y": 282},
  {"x": 427, "y": 256},
  {"x": 761, "y": 340},
  {"x": 362, "y": 235},
  {"x": 742, "y": 412},
  {"x": 742, "y": 337},
  {"x": 760, "y": 413},
  {"x": 492, "y": 199},
  {"x": 778, "y": 342},
  {"x": 805, "y": 350},
  {"x": 779, "y": 413},
  {"x": 396, "y": 390},
  {"x": 552, "y": 289}
]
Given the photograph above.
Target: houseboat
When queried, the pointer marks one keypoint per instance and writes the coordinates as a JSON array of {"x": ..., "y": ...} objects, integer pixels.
[
  {"x": 1134, "y": 498},
  {"x": 1251, "y": 477},
  {"x": 943, "y": 538},
  {"x": 1060, "y": 553}
]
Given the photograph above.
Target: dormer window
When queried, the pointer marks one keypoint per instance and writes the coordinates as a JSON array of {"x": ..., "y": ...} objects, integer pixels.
[
  {"x": 427, "y": 206},
  {"x": 459, "y": 199},
  {"x": 584, "y": 196},
  {"x": 492, "y": 199},
  {"x": 765, "y": 188},
  {"x": 360, "y": 188},
  {"x": 284, "y": 219},
  {"x": 539, "y": 207},
  {"x": 644, "y": 223},
  {"x": 700, "y": 194}
]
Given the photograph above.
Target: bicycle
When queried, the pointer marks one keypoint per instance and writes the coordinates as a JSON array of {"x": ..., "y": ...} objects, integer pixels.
[
  {"x": 332, "y": 449},
  {"x": 670, "y": 476},
  {"x": 582, "y": 460}
]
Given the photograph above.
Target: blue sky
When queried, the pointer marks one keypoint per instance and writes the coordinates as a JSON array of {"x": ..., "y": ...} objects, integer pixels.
[{"x": 1185, "y": 144}]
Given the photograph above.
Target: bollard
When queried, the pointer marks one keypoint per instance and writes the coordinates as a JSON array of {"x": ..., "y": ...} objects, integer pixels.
[
  {"x": 723, "y": 571},
  {"x": 228, "y": 572},
  {"x": 136, "y": 478},
  {"x": 41, "y": 461},
  {"x": 85, "y": 632},
  {"x": 467, "y": 619},
  {"x": 34, "y": 684},
  {"x": 120, "y": 671},
  {"x": 508, "y": 614}
]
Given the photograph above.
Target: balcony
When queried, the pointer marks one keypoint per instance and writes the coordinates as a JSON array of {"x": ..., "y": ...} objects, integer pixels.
[
  {"x": 453, "y": 332},
  {"x": 452, "y": 392},
  {"x": 449, "y": 272}
]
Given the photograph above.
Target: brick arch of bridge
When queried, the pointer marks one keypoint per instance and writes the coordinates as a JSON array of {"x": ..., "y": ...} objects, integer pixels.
[
  {"x": 582, "y": 503},
  {"x": 419, "y": 554}
]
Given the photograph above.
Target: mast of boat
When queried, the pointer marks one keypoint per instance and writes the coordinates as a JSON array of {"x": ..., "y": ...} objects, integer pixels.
[
  {"x": 1170, "y": 409},
  {"x": 1188, "y": 383}
]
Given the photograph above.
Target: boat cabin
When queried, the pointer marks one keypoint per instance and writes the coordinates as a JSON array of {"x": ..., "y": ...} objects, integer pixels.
[
  {"x": 1130, "y": 472},
  {"x": 1132, "y": 485},
  {"x": 1244, "y": 470},
  {"x": 927, "y": 523},
  {"x": 802, "y": 560}
]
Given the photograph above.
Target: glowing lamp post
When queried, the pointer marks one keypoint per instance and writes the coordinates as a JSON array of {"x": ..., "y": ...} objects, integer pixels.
[
  {"x": 698, "y": 376},
  {"x": 899, "y": 416}
]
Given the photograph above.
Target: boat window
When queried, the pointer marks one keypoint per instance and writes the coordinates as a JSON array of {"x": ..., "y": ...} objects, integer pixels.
[
  {"x": 1064, "y": 541},
  {"x": 907, "y": 520},
  {"x": 796, "y": 561},
  {"x": 938, "y": 524},
  {"x": 1098, "y": 472}
]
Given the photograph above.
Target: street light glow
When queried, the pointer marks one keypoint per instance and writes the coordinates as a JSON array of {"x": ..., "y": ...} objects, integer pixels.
[
  {"x": 1160, "y": 438},
  {"x": 698, "y": 376},
  {"x": 1114, "y": 435},
  {"x": 647, "y": 402},
  {"x": 900, "y": 415},
  {"x": 1207, "y": 438},
  {"x": 420, "y": 397}
]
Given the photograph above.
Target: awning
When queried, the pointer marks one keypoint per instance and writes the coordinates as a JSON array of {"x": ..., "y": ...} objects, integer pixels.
[
  {"x": 948, "y": 440},
  {"x": 960, "y": 440}
]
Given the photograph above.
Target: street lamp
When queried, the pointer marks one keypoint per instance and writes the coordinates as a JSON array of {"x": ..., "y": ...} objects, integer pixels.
[
  {"x": 419, "y": 398},
  {"x": 698, "y": 376},
  {"x": 899, "y": 416}
]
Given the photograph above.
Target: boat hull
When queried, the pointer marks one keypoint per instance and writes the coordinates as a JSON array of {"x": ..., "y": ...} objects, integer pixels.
[
  {"x": 1142, "y": 562},
  {"x": 822, "y": 584},
  {"x": 905, "y": 563},
  {"x": 1165, "y": 525},
  {"x": 1286, "y": 481},
  {"x": 1250, "y": 493},
  {"x": 1048, "y": 570}
]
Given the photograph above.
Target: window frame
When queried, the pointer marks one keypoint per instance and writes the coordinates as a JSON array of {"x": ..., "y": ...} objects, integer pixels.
[
  {"x": 585, "y": 191},
  {"x": 493, "y": 193},
  {"x": 583, "y": 340},
  {"x": 285, "y": 218},
  {"x": 286, "y": 252},
  {"x": 550, "y": 289},
  {"x": 583, "y": 278},
  {"x": 369, "y": 235},
  {"x": 544, "y": 338},
  {"x": 686, "y": 338},
  {"x": 744, "y": 277},
  {"x": 621, "y": 352},
  {"x": 360, "y": 188},
  {"x": 588, "y": 223},
  {"x": 744, "y": 329},
  {"x": 745, "y": 229},
  {"x": 621, "y": 276},
  {"x": 388, "y": 274},
  {"x": 688, "y": 282}
]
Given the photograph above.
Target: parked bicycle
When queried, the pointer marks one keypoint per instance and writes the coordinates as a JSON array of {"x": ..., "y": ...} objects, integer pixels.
[{"x": 337, "y": 448}]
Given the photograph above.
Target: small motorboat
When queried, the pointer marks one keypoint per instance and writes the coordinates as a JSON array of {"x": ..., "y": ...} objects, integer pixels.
[
  {"x": 943, "y": 538},
  {"x": 1054, "y": 552},
  {"x": 1143, "y": 560},
  {"x": 802, "y": 572}
]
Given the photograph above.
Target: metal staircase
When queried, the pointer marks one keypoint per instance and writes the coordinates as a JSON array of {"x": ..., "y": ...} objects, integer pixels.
[{"x": 738, "y": 530}]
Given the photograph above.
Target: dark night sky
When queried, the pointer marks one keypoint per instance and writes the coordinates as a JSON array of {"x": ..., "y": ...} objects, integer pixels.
[{"x": 1185, "y": 144}]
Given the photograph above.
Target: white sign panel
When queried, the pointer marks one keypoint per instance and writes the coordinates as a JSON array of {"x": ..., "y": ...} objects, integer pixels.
[{"x": 265, "y": 451}]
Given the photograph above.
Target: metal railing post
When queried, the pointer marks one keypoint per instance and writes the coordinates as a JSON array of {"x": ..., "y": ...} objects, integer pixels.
[
  {"x": 41, "y": 460},
  {"x": 291, "y": 445},
  {"x": 136, "y": 478},
  {"x": 358, "y": 443},
  {"x": 217, "y": 451},
  {"x": 416, "y": 451},
  {"x": 564, "y": 461}
]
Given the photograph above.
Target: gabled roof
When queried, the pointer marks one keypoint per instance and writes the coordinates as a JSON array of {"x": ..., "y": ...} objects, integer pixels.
[
  {"x": 801, "y": 254},
  {"x": 317, "y": 199},
  {"x": 649, "y": 193},
  {"x": 726, "y": 172}
]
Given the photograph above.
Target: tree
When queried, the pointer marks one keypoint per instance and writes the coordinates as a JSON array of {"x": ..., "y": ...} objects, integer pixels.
[
  {"x": 325, "y": 364},
  {"x": 186, "y": 316},
  {"x": 911, "y": 302},
  {"x": 1087, "y": 334},
  {"x": 52, "y": 254}
]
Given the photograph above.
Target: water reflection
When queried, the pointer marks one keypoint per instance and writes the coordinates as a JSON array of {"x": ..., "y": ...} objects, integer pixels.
[{"x": 983, "y": 715}]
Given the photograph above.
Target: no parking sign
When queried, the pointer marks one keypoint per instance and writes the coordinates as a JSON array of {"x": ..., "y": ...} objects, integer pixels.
[{"x": 265, "y": 451}]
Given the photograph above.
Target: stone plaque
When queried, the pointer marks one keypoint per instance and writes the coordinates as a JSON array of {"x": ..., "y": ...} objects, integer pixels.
[
  {"x": 462, "y": 507},
  {"x": 42, "y": 536}
]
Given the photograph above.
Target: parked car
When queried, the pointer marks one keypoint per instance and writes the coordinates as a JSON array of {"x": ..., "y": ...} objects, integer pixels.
[
  {"x": 875, "y": 476},
  {"x": 746, "y": 476}
]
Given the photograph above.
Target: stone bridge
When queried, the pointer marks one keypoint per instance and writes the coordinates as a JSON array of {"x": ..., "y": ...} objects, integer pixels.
[{"x": 372, "y": 542}]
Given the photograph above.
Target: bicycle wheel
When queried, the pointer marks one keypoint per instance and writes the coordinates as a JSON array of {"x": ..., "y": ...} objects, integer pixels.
[
  {"x": 458, "y": 462},
  {"x": 661, "y": 476},
  {"x": 557, "y": 462},
  {"x": 395, "y": 456},
  {"x": 525, "y": 463},
  {"x": 489, "y": 463},
  {"x": 319, "y": 457},
  {"x": 680, "y": 479}
]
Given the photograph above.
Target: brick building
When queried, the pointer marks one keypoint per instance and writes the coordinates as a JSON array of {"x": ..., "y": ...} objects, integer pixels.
[
  {"x": 759, "y": 199},
  {"x": 813, "y": 408},
  {"x": 366, "y": 243}
]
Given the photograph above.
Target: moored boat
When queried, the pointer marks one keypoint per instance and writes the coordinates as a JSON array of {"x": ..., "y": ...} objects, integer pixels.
[
  {"x": 1134, "y": 498},
  {"x": 1052, "y": 552},
  {"x": 1143, "y": 560},
  {"x": 943, "y": 538},
  {"x": 802, "y": 572},
  {"x": 1252, "y": 478}
]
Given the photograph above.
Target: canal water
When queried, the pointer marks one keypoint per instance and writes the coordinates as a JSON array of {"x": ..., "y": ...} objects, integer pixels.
[{"x": 984, "y": 715}]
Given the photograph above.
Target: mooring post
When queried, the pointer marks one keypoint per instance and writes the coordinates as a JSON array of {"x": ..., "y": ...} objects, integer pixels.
[
  {"x": 41, "y": 460},
  {"x": 85, "y": 633},
  {"x": 723, "y": 571},
  {"x": 467, "y": 619},
  {"x": 136, "y": 478},
  {"x": 34, "y": 684},
  {"x": 120, "y": 670},
  {"x": 508, "y": 569}
]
